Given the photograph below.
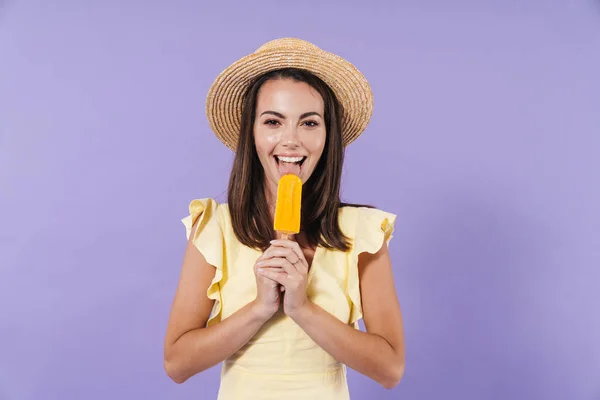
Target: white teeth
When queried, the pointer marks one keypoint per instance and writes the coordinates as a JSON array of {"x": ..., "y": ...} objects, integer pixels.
[{"x": 290, "y": 159}]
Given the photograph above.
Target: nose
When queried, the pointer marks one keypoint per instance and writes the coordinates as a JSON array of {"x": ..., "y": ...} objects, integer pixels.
[{"x": 289, "y": 137}]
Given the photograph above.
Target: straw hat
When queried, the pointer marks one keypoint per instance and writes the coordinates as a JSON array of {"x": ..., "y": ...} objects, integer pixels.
[{"x": 225, "y": 97}]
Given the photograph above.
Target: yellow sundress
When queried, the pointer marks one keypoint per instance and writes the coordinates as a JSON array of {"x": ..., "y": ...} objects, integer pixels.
[{"x": 281, "y": 361}]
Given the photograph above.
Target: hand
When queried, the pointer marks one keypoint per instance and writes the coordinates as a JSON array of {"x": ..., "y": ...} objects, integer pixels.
[
  {"x": 285, "y": 264},
  {"x": 268, "y": 297}
]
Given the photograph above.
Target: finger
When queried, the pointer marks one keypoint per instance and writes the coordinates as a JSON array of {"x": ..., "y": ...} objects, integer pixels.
[
  {"x": 289, "y": 244},
  {"x": 259, "y": 275},
  {"x": 279, "y": 263},
  {"x": 284, "y": 252},
  {"x": 273, "y": 251},
  {"x": 277, "y": 276},
  {"x": 266, "y": 254},
  {"x": 295, "y": 247}
]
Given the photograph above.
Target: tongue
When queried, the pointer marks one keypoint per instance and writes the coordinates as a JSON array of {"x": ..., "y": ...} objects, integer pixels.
[{"x": 289, "y": 168}]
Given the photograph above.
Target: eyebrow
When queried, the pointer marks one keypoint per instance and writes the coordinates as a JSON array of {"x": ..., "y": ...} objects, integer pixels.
[{"x": 306, "y": 114}]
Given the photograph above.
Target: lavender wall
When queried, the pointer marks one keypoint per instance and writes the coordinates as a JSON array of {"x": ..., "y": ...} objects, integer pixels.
[{"x": 485, "y": 141}]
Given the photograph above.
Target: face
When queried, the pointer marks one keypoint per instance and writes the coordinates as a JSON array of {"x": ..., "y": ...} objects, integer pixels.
[{"x": 289, "y": 129}]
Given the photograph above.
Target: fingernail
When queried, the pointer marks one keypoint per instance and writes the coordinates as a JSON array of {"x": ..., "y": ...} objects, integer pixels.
[
  {"x": 260, "y": 270},
  {"x": 271, "y": 241},
  {"x": 259, "y": 263}
]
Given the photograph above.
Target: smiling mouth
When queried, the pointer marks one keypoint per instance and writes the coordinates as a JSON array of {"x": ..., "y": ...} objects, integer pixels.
[
  {"x": 290, "y": 160},
  {"x": 289, "y": 165}
]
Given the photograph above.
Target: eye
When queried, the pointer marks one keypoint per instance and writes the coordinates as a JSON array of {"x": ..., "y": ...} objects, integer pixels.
[
  {"x": 272, "y": 122},
  {"x": 310, "y": 123}
]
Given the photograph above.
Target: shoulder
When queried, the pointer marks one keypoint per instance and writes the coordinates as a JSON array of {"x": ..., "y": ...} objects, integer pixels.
[
  {"x": 206, "y": 212},
  {"x": 364, "y": 217},
  {"x": 367, "y": 227}
]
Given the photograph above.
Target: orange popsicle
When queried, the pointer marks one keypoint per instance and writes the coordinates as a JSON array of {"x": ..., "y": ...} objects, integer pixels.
[{"x": 287, "y": 207}]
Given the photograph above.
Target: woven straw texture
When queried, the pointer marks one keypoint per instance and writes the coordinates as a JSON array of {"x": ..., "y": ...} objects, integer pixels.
[{"x": 225, "y": 97}]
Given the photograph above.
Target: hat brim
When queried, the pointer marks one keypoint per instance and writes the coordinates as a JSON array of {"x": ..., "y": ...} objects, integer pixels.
[{"x": 225, "y": 98}]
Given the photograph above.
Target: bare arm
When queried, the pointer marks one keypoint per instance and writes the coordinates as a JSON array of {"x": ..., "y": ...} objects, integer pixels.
[
  {"x": 379, "y": 352},
  {"x": 190, "y": 347}
]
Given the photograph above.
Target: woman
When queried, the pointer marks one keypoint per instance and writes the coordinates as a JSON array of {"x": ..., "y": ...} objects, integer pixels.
[{"x": 282, "y": 315}]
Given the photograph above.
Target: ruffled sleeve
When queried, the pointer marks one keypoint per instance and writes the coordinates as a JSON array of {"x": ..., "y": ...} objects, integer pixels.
[
  {"x": 373, "y": 227},
  {"x": 208, "y": 239}
]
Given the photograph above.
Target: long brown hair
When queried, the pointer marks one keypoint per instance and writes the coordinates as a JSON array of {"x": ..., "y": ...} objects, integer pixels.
[{"x": 251, "y": 220}]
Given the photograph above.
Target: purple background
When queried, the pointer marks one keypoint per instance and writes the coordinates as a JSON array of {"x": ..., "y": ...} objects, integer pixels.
[{"x": 485, "y": 141}]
